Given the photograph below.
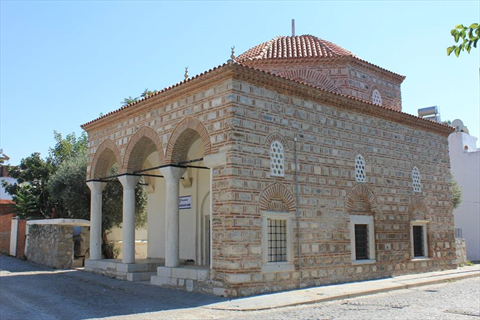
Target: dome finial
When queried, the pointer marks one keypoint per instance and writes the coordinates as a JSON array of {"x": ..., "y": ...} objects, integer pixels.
[
  {"x": 186, "y": 73},
  {"x": 293, "y": 27}
]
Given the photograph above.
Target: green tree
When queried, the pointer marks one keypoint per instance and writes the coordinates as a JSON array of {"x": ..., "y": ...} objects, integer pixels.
[
  {"x": 26, "y": 202},
  {"x": 467, "y": 37},
  {"x": 70, "y": 192},
  {"x": 68, "y": 147},
  {"x": 148, "y": 93},
  {"x": 456, "y": 194},
  {"x": 128, "y": 101},
  {"x": 34, "y": 172}
]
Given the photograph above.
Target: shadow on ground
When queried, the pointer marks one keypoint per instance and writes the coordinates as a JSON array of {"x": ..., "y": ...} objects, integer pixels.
[{"x": 30, "y": 291}]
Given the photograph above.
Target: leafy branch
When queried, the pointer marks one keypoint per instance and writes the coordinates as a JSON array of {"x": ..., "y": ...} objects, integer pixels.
[{"x": 467, "y": 37}]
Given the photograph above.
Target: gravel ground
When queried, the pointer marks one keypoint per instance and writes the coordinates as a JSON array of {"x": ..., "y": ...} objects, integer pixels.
[
  {"x": 28, "y": 291},
  {"x": 455, "y": 300}
]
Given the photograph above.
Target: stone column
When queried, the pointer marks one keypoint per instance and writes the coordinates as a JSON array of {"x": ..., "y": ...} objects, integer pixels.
[
  {"x": 172, "y": 222},
  {"x": 96, "y": 188},
  {"x": 128, "y": 223}
]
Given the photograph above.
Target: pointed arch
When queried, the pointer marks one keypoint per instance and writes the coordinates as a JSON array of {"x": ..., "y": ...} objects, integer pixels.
[
  {"x": 361, "y": 193},
  {"x": 276, "y": 197},
  {"x": 143, "y": 142},
  {"x": 418, "y": 209},
  {"x": 106, "y": 155},
  {"x": 359, "y": 151},
  {"x": 184, "y": 134}
]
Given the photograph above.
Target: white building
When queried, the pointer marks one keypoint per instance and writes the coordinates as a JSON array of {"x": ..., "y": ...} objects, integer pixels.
[{"x": 465, "y": 167}]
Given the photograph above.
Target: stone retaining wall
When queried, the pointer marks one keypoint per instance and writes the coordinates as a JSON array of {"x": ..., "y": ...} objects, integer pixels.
[
  {"x": 461, "y": 251},
  {"x": 51, "y": 245}
]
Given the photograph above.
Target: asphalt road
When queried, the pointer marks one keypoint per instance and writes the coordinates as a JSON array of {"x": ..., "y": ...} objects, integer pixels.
[{"x": 28, "y": 291}]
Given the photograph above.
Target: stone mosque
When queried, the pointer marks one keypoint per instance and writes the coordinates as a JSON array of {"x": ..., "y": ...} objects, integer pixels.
[{"x": 291, "y": 165}]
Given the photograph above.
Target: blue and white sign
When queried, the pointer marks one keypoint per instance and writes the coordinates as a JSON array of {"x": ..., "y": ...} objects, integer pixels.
[{"x": 185, "y": 202}]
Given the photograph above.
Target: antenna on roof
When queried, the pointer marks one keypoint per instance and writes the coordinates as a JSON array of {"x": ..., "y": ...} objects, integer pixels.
[{"x": 293, "y": 27}]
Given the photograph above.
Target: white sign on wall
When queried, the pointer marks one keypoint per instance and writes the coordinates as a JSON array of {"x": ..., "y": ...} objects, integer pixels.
[{"x": 185, "y": 202}]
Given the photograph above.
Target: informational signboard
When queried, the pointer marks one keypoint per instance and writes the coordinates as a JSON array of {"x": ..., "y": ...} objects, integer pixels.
[{"x": 185, "y": 202}]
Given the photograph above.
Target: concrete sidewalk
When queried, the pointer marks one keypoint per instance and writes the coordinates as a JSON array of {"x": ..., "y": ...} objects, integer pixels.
[{"x": 343, "y": 291}]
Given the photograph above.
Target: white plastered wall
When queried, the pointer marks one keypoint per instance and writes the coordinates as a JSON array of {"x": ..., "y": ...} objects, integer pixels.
[
  {"x": 465, "y": 167},
  {"x": 191, "y": 225}
]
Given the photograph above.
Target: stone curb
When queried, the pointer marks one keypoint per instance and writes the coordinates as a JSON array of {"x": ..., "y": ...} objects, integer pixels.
[{"x": 391, "y": 287}]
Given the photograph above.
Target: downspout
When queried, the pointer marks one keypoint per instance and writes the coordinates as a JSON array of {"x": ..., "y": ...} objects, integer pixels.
[{"x": 297, "y": 191}]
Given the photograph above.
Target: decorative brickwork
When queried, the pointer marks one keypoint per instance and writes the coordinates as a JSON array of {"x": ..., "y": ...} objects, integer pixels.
[
  {"x": 144, "y": 142},
  {"x": 185, "y": 133},
  {"x": 107, "y": 155},
  {"x": 277, "y": 197},
  {"x": 275, "y": 136},
  {"x": 238, "y": 111},
  {"x": 312, "y": 77},
  {"x": 418, "y": 210},
  {"x": 361, "y": 199}
]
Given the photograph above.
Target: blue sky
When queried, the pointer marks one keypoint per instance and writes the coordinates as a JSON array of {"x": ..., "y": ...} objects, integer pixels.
[{"x": 63, "y": 63}]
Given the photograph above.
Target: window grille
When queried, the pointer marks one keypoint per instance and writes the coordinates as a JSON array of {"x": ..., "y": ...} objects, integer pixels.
[
  {"x": 376, "y": 97},
  {"x": 277, "y": 240},
  {"x": 360, "y": 169},
  {"x": 277, "y": 162},
  {"x": 458, "y": 233},
  {"x": 361, "y": 241},
  {"x": 417, "y": 187},
  {"x": 418, "y": 249}
]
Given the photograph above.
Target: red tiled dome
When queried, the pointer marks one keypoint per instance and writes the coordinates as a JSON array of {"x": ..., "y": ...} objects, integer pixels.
[{"x": 286, "y": 47}]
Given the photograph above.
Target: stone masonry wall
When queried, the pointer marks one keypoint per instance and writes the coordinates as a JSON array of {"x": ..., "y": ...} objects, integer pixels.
[
  {"x": 461, "y": 251},
  {"x": 240, "y": 118},
  {"x": 50, "y": 245},
  {"x": 331, "y": 139},
  {"x": 350, "y": 79},
  {"x": 209, "y": 105}
]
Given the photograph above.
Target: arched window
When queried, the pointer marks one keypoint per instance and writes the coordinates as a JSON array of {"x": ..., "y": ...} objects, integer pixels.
[
  {"x": 360, "y": 169},
  {"x": 277, "y": 159},
  {"x": 417, "y": 186},
  {"x": 376, "y": 97}
]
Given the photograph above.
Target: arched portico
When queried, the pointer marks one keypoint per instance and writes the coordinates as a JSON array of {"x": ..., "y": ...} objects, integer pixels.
[
  {"x": 144, "y": 151},
  {"x": 189, "y": 141},
  {"x": 106, "y": 156}
]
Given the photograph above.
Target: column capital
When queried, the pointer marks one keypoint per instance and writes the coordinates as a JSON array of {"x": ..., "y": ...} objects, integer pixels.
[
  {"x": 128, "y": 181},
  {"x": 172, "y": 174},
  {"x": 96, "y": 186}
]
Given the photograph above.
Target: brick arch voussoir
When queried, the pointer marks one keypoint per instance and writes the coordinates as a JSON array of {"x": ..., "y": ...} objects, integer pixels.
[
  {"x": 186, "y": 124},
  {"x": 418, "y": 204},
  {"x": 275, "y": 136},
  {"x": 358, "y": 151},
  {"x": 143, "y": 132},
  {"x": 312, "y": 77},
  {"x": 277, "y": 190},
  {"x": 360, "y": 190},
  {"x": 414, "y": 164},
  {"x": 107, "y": 144}
]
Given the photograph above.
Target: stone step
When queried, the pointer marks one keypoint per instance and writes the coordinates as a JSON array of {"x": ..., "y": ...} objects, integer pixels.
[{"x": 140, "y": 276}]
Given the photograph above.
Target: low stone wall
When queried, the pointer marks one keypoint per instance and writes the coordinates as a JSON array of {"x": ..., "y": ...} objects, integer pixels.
[
  {"x": 461, "y": 251},
  {"x": 51, "y": 245}
]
